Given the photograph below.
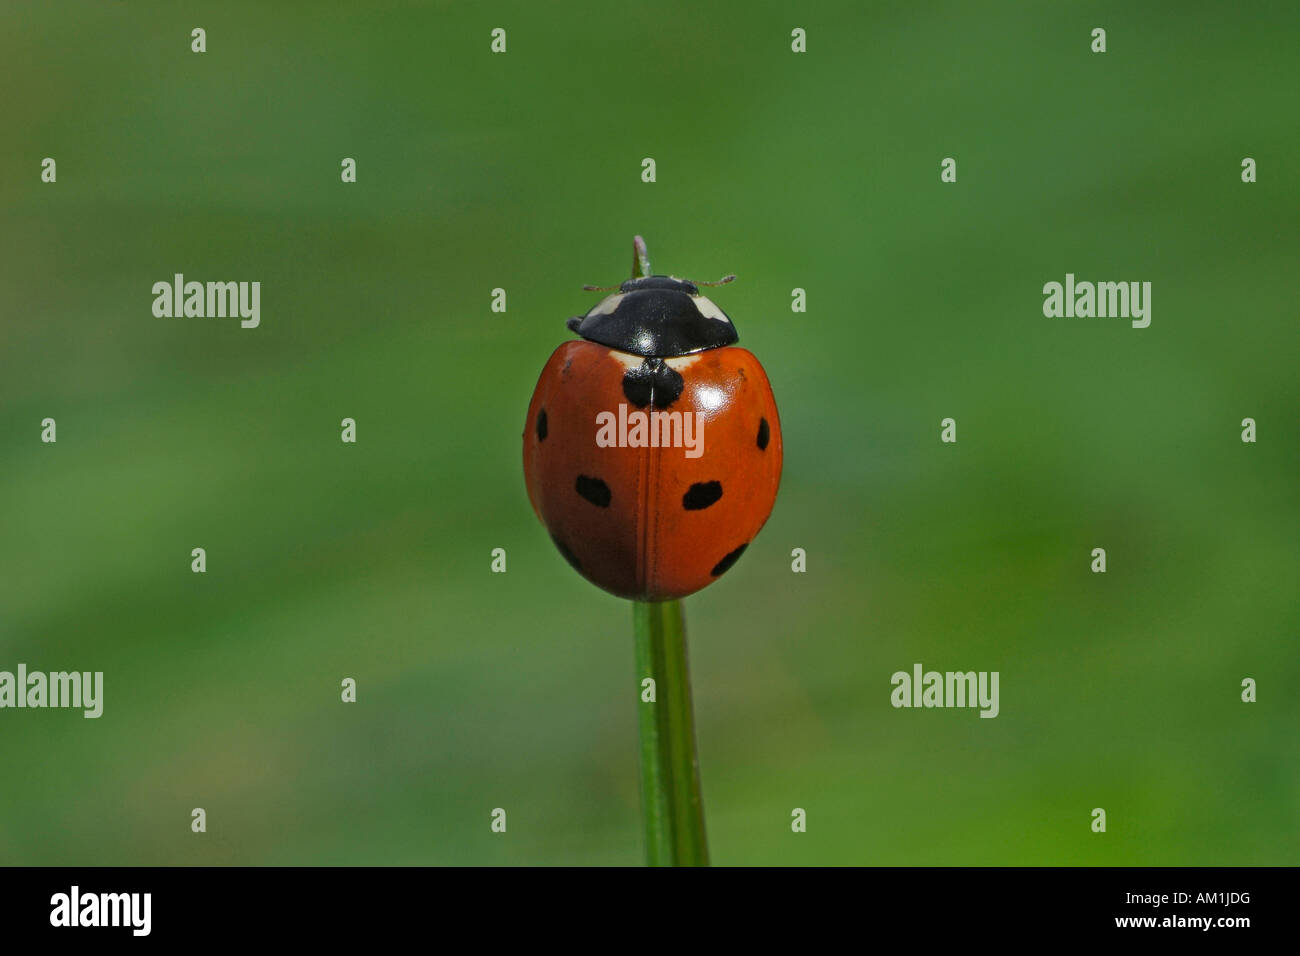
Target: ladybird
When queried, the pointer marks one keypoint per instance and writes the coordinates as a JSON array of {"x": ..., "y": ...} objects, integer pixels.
[{"x": 652, "y": 447}]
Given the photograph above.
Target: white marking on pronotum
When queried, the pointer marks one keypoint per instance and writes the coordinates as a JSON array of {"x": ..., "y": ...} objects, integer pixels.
[
  {"x": 607, "y": 305},
  {"x": 709, "y": 310},
  {"x": 678, "y": 363},
  {"x": 626, "y": 359}
]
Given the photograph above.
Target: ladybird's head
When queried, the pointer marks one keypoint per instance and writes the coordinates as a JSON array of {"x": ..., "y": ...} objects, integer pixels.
[{"x": 657, "y": 316}]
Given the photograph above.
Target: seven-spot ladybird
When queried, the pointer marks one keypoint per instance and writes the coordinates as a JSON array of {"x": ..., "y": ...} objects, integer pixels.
[{"x": 652, "y": 448}]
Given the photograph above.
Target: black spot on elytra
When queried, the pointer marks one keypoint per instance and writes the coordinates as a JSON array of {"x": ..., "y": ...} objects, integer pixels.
[
  {"x": 701, "y": 495},
  {"x": 541, "y": 425},
  {"x": 764, "y": 434},
  {"x": 652, "y": 381},
  {"x": 594, "y": 490},
  {"x": 723, "y": 566},
  {"x": 568, "y": 555}
]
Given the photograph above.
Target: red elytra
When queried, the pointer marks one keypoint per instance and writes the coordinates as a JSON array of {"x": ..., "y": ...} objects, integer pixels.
[{"x": 652, "y": 450}]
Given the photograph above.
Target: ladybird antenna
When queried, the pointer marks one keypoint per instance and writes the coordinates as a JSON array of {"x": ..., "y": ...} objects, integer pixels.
[
  {"x": 600, "y": 288},
  {"x": 723, "y": 281}
]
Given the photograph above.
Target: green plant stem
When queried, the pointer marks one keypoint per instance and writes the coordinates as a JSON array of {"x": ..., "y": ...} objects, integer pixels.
[
  {"x": 640, "y": 259},
  {"x": 670, "y": 770}
]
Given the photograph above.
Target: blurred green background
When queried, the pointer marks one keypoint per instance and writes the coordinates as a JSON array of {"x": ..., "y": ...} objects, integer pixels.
[{"x": 522, "y": 171}]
